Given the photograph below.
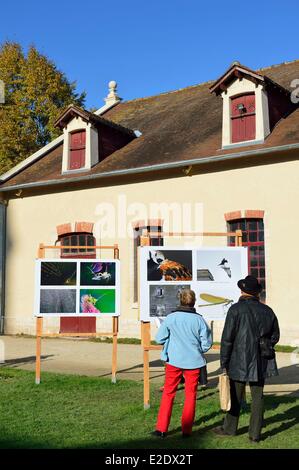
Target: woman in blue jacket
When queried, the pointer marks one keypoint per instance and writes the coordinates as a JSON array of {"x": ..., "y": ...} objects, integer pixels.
[{"x": 185, "y": 336}]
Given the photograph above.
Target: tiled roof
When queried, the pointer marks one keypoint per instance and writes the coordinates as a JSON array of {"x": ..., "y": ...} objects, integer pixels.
[{"x": 177, "y": 126}]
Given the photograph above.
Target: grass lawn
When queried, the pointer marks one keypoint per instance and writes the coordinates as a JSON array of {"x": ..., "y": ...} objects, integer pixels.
[{"x": 69, "y": 411}]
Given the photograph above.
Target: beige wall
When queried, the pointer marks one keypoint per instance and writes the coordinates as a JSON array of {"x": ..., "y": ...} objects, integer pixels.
[{"x": 272, "y": 188}]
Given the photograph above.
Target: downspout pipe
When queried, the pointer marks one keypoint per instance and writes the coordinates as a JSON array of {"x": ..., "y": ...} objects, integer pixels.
[{"x": 3, "y": 212}]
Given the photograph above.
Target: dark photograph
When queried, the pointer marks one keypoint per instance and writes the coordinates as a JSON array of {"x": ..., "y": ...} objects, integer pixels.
[
  {"x": 165, "y": 299},
  {"x": 58, "y": 273},
  {"x": 57, "y": 301}
]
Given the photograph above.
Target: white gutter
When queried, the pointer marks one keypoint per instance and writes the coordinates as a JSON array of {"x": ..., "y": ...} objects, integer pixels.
[
  {"x": 28, "y": 161},
  {"x": 159, "y": 166}
]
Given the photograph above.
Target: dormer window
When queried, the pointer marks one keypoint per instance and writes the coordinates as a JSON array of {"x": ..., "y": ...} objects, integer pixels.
[
  {"x": 243, "y": 118},
  {"x": 252, "y": 105},
  {"x": 77, "y": 150},
  {"x": 89, "y": 138}
]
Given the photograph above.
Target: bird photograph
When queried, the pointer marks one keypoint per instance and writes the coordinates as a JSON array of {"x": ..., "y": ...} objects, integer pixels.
[
  {"x": 169, "y": 265},
  {"x": 225, "y": 266},
  {"x": 218, "y": 265}
]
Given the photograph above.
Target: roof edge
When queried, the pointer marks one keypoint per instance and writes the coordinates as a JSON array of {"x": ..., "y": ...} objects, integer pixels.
[
  {"x": 159, "y": 166},
  {"x": 31, "y": 159}
]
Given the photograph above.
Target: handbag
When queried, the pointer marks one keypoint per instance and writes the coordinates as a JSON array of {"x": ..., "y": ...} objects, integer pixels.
[
  {"x": 224, "y": 392},
  {"x": 266, "y": 348}
]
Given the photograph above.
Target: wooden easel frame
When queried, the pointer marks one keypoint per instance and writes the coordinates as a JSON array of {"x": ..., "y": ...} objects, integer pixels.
[
  {"x": 39, "y": 320},
  {"x": 146, "y": 326}
]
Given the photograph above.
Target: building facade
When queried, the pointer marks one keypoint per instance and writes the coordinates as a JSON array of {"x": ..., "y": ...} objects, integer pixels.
[{"x": 214, "y": 157}]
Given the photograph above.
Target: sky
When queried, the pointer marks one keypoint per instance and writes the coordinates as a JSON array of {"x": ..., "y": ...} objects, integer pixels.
[{"x": 153, "y": 46}]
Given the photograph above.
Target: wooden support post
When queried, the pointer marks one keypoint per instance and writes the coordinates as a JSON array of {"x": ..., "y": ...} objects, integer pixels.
[
  {"x": 41, "y": 251},
  {"x": 116, "y": 251},
  {"x": 114, "y": 329},
  {"x": 238, "y": 237},
  {"x": 114, "y": 348},
  {"x": 39, "y": 320},
  {"x": 39, "y": 328},
  {"x": 146, "y": 334},
  {"x": 145, "y": 326},
  {"x": 39, "y": 331}
]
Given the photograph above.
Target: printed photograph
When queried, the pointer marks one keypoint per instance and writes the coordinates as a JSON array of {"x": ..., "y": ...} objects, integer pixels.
[
  {"x": 58, "y": 273},
  {"x": 97, "y": 274},
  {"x": 214, "y": 301},
  {"x": 97, "y": 301},
  {"x": 169, "y": 265},
  {"x": 218, "y": 265},
  {"x": 57, "y": 301},
  {"x": 164, "y": 299}
]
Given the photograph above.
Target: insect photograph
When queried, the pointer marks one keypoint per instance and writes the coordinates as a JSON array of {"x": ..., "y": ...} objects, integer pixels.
[
  {"x": 214, "y": 300},
  {"x": 56, "y": 273},
  {"x": 213, "y": 304},
  {"x": 97, "y": 301},
  {"x": 97, "y": 273}
]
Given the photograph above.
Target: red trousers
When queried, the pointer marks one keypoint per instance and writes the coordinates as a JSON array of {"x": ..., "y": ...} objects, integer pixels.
[{"x": 173, "y": 376}]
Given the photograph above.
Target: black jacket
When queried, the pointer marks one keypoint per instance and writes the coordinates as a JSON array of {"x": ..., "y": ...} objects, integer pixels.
[{"x": 239, "y": 353}]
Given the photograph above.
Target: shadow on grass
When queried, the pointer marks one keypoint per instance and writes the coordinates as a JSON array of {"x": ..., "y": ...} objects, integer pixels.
[
  {"x": 23, "y": 360},
  {"x": 153, "y": 364},
  {"x": 200, "y": 439}
]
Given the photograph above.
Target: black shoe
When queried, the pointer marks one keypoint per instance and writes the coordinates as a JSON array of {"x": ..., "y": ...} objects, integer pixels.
[
  {"x": 220, "y": 432},
  {"x": 252, "y": 439},
  {"x": 185, "y": 436},
  {"x": 157, "y": 433}
]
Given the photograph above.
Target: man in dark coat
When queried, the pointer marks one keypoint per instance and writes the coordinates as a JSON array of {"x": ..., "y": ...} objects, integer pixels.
[{"x": 241, "y": 358}]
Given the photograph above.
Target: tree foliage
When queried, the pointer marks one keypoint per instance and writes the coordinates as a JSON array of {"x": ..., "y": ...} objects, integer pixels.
[{"x": 35, "y": 94}]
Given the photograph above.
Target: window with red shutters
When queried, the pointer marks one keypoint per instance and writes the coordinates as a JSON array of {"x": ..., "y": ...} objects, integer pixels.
[
  {"x": 77, "y": 150},
  {"x": 243, "y": 118},
  {"x": 253, "y": 238}
]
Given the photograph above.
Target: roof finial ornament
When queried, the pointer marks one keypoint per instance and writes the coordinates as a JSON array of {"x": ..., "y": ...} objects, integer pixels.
[
  {"x": 112, "y": 96},
  {"x": 235, "y": 62}
]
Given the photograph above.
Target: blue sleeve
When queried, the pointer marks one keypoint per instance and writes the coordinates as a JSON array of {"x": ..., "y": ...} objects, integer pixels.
[
  {"x": 162, "y": 334},
  {"x": 205, "y": 336}
]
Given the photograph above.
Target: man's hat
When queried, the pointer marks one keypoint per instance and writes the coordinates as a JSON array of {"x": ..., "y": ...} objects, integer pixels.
[{"x": 250, "y": 285}]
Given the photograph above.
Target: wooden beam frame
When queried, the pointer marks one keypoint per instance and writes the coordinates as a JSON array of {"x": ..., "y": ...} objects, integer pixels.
[
  {"x": 146, "y": 326},
  {"x": 39, "y": 320}
]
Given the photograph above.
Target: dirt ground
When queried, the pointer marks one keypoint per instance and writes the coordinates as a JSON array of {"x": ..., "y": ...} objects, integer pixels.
[{"x": 83, "y": 357}]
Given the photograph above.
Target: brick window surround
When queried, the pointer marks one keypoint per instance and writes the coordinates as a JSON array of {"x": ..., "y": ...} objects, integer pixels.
[
  {"x": 81, "y": 236},
  {"x": 252, "y": 225}
]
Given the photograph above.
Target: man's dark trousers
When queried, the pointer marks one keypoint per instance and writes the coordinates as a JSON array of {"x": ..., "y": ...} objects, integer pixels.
[{"x": 231, "y": 420}]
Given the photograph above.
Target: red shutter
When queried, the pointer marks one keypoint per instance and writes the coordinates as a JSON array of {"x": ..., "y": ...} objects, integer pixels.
[
  {"x": 77, "y": 150},
  {"x": 243, "y": 123}
]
